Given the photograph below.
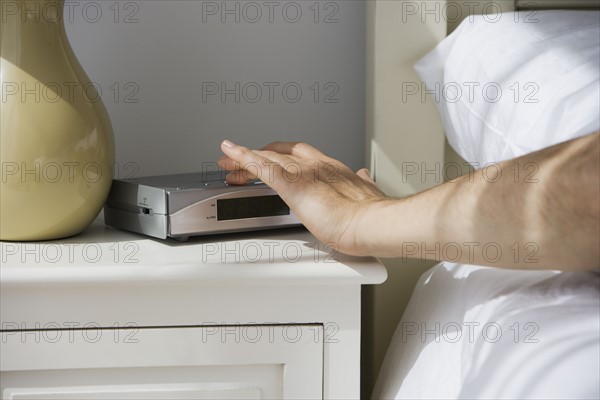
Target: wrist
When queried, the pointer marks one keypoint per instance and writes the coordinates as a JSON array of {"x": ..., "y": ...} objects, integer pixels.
[{"x": 377, "y": 228}]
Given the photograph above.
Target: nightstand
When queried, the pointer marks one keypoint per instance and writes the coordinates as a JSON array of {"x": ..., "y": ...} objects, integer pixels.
[{"x": 114, "y": 315}]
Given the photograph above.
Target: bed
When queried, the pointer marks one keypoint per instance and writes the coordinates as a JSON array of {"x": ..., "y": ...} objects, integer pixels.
[{"x": 478, "y": 332}]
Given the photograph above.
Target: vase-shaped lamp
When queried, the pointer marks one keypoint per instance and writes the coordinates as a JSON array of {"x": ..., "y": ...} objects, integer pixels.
[{"x": 57, "y": 144}]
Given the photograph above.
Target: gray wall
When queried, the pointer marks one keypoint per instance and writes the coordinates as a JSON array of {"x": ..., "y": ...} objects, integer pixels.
[{"x": 159, "y": 63}]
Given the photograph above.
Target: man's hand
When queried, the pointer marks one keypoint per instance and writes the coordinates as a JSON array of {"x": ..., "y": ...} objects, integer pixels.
[{"x": 331, "y": 200}]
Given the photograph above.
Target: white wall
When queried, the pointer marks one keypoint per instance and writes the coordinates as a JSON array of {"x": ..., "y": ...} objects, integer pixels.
[
  {"x": 402, "y": 130},
  {"x": 155, "y": 61}
]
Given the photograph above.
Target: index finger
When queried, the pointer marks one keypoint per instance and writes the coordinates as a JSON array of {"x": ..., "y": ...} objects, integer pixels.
[
  {"x": 268, "y": 171},
  {"x": 298, "y": 149}
]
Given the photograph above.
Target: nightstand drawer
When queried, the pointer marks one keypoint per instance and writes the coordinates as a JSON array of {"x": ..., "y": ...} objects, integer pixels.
[{"x": 222, "y": 361}]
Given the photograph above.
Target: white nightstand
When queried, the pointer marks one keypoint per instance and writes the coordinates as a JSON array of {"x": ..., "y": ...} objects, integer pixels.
[{"x": 109, "y": 314}]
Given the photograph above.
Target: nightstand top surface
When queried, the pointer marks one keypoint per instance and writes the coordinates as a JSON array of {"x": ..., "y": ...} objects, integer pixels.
[{"x": 105, "y": 254}]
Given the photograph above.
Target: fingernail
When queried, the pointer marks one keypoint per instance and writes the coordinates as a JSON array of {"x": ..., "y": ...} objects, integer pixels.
[{"x": 229, "y": 144}]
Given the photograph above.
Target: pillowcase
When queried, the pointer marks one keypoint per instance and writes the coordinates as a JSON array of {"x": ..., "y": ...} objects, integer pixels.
[
  {"x": 472, "y": 332},
  {"x": 509, "y": 84}
]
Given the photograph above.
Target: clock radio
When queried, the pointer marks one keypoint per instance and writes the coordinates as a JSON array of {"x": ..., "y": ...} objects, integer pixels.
[{"x": 184, "y": 205}]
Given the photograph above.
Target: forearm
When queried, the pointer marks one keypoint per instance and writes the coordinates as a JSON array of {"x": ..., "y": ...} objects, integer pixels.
[{"x": 542, "y": 211}]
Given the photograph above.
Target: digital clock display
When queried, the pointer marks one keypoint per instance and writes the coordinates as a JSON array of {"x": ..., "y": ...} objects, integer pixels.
[{"x": 251, "y": 207}]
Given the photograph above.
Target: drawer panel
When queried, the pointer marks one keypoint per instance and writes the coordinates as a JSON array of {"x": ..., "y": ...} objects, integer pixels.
[{"x": 228, "y": 361}]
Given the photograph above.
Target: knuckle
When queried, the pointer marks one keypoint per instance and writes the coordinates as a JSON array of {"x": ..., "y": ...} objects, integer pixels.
[
  {"x": 302, "y": 146},
  {"x": 269, "y": 154}
]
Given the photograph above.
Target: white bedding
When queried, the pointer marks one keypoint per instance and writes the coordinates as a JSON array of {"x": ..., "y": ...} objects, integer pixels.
[
  {"x": 478, "y": 332},
  {"x": 518, "y": 84}
]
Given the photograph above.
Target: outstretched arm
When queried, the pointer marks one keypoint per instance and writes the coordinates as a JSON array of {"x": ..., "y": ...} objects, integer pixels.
[{"x": 549, "y": 221}]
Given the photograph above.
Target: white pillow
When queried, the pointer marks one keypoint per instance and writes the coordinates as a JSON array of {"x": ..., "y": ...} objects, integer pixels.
[
  {"x": 516, "y": 85},
  {"x": 473, "y": 332}
]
